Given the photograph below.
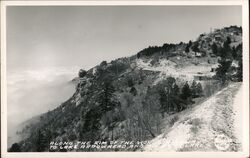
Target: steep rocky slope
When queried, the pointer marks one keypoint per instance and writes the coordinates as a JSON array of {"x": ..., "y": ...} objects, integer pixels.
[
  {"x": 136, "y": 98},
  {"x": 201, "y": 128}
]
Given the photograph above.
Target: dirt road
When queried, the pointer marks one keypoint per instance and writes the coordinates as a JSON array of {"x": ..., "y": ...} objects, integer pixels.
[{"x": 210, "y": 126}]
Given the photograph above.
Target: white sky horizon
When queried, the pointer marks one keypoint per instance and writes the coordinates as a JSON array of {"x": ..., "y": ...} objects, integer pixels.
[{"x": 68, "y": 36}]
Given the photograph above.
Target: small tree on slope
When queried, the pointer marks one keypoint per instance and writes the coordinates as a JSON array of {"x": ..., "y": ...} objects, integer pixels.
[{"x": 186, "y": 92}]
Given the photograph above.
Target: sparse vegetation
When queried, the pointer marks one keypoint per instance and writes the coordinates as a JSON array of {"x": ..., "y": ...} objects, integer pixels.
[
  {"x": 173, "y": 120},
  {"x": 15, "y": 148},
  {"x": 120, "y": 102},
  {"x": 82, "y": 73},
  {"x": 215, "y": 48}
]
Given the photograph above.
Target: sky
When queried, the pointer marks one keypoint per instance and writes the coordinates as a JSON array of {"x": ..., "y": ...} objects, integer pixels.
[{"x": 83, "y": 36}]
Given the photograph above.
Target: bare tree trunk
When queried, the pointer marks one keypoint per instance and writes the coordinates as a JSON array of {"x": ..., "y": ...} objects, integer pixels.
[
  {"x": 112, "y": 137},
  {"x": 146, "y": 126},
  {"x": 148, "y": 129}
]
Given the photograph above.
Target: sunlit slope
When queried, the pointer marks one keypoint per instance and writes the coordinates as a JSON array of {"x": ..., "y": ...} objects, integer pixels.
[{"x": 207, "y": 127}]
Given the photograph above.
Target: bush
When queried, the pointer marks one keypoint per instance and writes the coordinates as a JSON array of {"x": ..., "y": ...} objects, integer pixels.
[
  {"x": 133, "y": 91},
  {"x": 173, "y": 120},
  {"x": 103, "y": 63},
  {"x": 149, "y": 51},
  {"x": 169, "y": 98},
  {"x": 195, "y": 47},
  {"x": 130, "y": 82},
  {"x": 15, "y": 148},
  {"x": 186, "y": 92},
  {"x": 188, "y": 46},
  {"x": 215, "y": 49},
  {"x": 82, "y": 73},
  {"x": 117, "y": 67},
  {"x": 223, "y": 70},
  {"x": 199, "y": 90},
  {"x": 211, "y": 87}
]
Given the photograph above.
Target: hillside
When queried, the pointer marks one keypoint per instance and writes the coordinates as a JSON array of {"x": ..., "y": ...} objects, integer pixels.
[
  {"x": 195, "y": 131},
  {"x": 137, "y": 98}
]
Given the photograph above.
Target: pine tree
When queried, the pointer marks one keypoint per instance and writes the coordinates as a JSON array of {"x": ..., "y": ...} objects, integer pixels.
[
  {"x": 215, "y": 48},
  {"x": 82, "y": 73},
  {"x": 169, "y": 95},
  {"x": 41, "y": 143},
  {"x": 107, "y": 101},
  {"x": 222, "y": 72},
  {"x": 195, "y": 47},
  {"x": 176, "y": 89},
  {"x": 15, "y": 148},
  {"x": 188, "y": 46},
  {"x": 163, "y": 101},
  {"x": 186, "y": 92},
  {"x": 176, "y": 96},
  {"x": 106, "y": 97},
  {"x": 194, "y": 89},
  {"x": 190, "y": 43},
  {"x": 138, "y": 55},
  {"x": 187, "y": 49},
  {"x": 92, "y": 119},
  {"x": 130, "y": 82},
  {"x": 234, "y": 53},
  {"x": 226, "y": 52},
  {"x": 91, "y": 126},
  {"x": 228, "y": 40},
  {"x": 133, "y": 91},
  {"x": 239, "y": 73},
  {"x": 199, "y": 90},
  {"x": 103, "y": 63}
]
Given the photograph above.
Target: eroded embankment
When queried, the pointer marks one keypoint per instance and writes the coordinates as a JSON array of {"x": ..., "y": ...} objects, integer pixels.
[{"x": 208, "y": 127}]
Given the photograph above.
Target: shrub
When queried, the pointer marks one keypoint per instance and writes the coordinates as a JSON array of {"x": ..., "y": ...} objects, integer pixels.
[
  {"x": 82, "y": 73},
  {"x": 173, "y": 120},
  {"x": 15, "y": 148},
  {"x": 130, "y": 82},
  {"x": 118, "y": 67},
  {"x": 215, "y": 49},
  {"x": 133, "y": 91},
  {"x": 186, "y": 92},
  {"x": 103, "y": 63}
]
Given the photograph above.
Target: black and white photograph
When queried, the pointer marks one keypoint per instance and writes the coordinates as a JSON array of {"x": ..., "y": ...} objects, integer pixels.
[{"x": 124, "y": 78}]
